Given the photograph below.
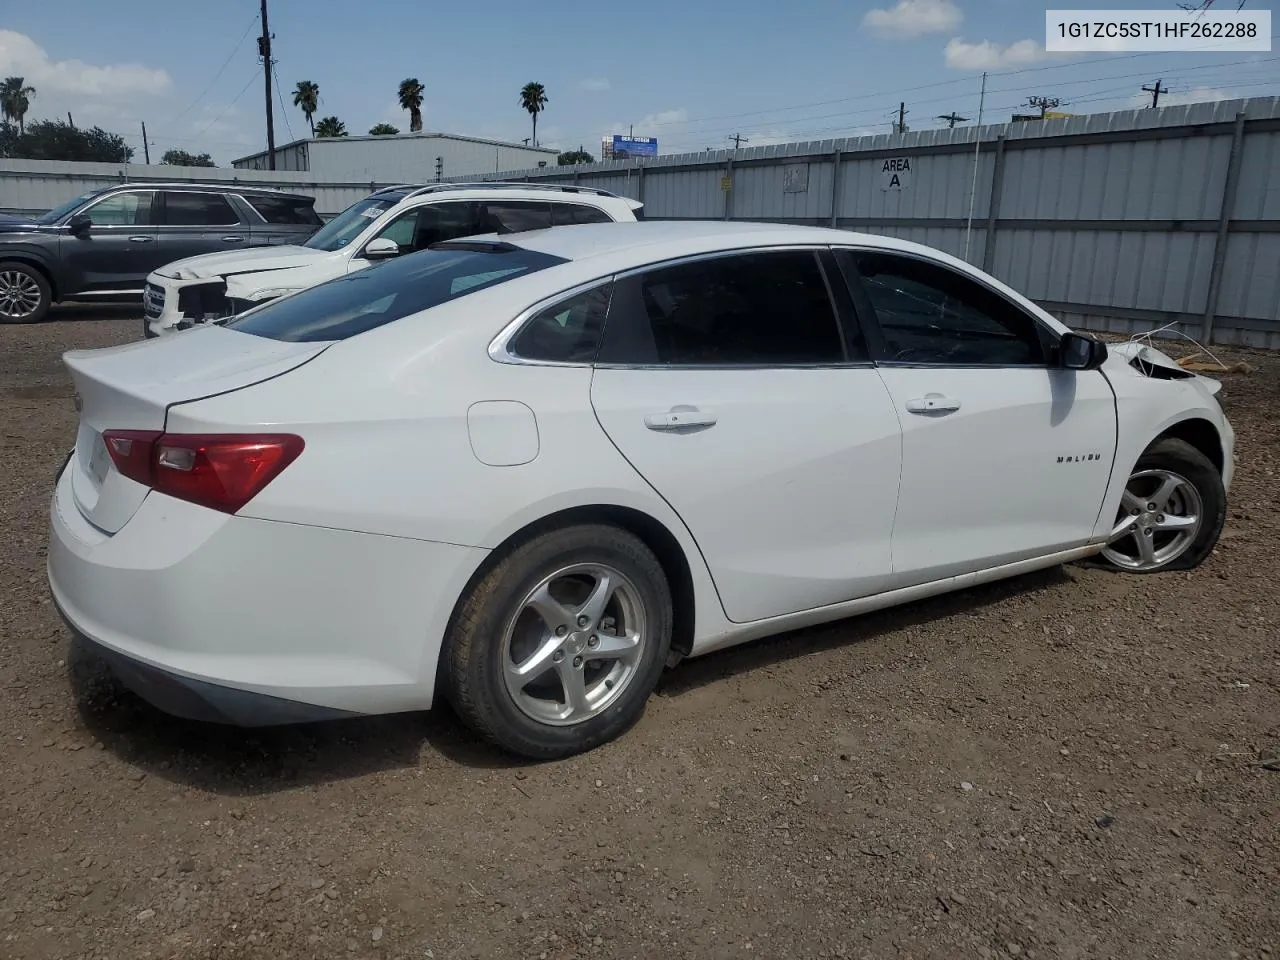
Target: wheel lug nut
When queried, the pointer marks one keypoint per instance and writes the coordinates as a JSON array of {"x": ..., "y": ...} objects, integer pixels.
[
  {"x": 593, "y": 641},
  {"x": 558, "y": 656},
  {"x": 1160, "y": 518},
  {"x": 561, "y": 630},
  {"x": 1151, "y": 506},
  {"x": 583, "y": 621},
  {"x": 577, "y": 661}
]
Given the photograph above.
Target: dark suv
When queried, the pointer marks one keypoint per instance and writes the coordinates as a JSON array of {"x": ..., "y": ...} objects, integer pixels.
[{"x": 102, "y": 245}]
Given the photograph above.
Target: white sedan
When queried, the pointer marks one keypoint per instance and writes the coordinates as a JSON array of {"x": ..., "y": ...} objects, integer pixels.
[{"x": 531, "y": 471}]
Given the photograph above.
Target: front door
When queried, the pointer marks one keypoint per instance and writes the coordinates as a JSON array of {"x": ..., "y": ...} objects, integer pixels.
[
  {"x": 1005, "y": 455},
  {"x": 729, "y": 385},
  {"x": 117, "y": 251}
]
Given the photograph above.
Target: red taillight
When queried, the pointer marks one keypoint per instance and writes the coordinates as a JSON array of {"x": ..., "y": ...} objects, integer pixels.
[{"x": 219, "y": 471}]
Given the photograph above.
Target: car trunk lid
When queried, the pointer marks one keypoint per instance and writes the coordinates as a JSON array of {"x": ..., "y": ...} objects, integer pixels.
[{"x": 131, "y": 387}]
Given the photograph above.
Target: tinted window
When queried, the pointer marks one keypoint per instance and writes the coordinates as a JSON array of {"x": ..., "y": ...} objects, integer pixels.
[
  {"x": 513, "y": 215},
  {"x": 122, "y": 210},
  {"x": 285, "y": 210},
  {"x": 386, "y": 292},
  {"x": 198, "y": 210},
  {"x": 758, "y": 308},
  {"x": 929, "y": 313},
  {"x": 563, "y": 214},
  {"x": 568, "y": 332},
  {"x": 418, "y": 229}
]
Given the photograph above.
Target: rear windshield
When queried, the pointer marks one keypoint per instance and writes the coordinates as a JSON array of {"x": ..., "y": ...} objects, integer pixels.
[
  {"x": 292, "y": 210},
  {"x": 388, "y": 291}
]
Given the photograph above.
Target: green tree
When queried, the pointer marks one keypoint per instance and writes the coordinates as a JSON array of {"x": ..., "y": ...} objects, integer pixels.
[
  {"x": 15, "y": 100},
  {"x": 306, "y": 97},
  {"x": 410, "y": 94},
  {"x": 331, "y": 127},
  {"x": 383, "y": 130},
  {"x": 575, "y": 156},
  {"x": 56, "y": 140},
  {"x": 533, "y": 97},
  {"x": 180, "y": 158}
]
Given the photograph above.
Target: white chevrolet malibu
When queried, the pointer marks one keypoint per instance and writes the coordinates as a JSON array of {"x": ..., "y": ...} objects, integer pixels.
[{"x": 531, "y": 471}]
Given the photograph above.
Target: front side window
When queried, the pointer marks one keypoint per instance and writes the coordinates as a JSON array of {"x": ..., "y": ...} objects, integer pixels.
[
  {"x": 566, "y": 332},
  {"x": 757, "y": 309},
  {"x": 433, "y": 223},
  {"x": 198, "y": 210},
  {"x": 122, "y": 210},
  {"x": 350, "y": 223},
  {"x": 385, "y": 292},
  {"x": 928, "y": 313}
]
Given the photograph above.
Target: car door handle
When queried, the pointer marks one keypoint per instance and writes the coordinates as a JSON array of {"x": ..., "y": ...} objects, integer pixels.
[
  {"x": 933, "y": 403},
  {"x": 679, "y": 418},
  {"x": 141, "y": 239},
  {"x": 233, "y": 239}
]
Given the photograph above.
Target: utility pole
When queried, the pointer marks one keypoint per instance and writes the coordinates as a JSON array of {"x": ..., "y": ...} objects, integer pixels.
[
  {"x": 953, "y": 118},
  {"x": 264, "y": 51},
  {"x": 1155, "y": 93},
  {"x": 738, "y": 140},
  {"x": 1044, "y": 104},
  {"x": 70, "y": 123},
  {"x": 901, "y": 125},
  {"x": 146, "y": 147}
]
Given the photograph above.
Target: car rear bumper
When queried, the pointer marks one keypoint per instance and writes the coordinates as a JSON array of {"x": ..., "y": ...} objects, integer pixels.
[{"x": 253, "y": 621}]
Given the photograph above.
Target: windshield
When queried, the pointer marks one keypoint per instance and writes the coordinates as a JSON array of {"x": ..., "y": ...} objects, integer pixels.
[
  {"x": 57, "y": 213},
  {"x": 349, "y": 224},
  {"x": 380, "y": 294}
]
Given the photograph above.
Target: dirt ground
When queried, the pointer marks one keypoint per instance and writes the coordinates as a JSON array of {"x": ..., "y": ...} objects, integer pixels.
[{"x": 1066, "y": 765}]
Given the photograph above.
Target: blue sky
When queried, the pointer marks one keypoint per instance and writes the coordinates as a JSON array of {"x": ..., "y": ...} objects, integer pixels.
[{"x": 691, "y": 74}]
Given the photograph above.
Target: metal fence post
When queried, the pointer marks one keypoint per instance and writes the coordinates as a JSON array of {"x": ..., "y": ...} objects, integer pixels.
[
  {"x": 993, "y": 206},
  {"x": 728, "y": 194},
  {"x": 1224, "y": 227},
  {"x": 640, "y": 182},
  {"x": 835, "y": 189}
]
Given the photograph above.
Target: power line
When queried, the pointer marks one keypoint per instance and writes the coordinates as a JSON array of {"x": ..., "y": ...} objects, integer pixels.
[
  {"x": 284, "y": 111},
  {"x": 1155, "y": 93},
  {"x": 234, "y": 50},
  {"x": 224, "y": 110}
]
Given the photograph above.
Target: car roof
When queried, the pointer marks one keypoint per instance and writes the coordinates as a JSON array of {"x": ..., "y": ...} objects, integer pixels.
[
  {"x": 583, "y": 242},
  {"x": 207, "y": 188}
]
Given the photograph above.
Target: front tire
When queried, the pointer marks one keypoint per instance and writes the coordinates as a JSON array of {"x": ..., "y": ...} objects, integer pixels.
[
  {"x": 556, "y": 649},
  {"x": 1171, "y": 513},
  {"x": 25, "y": 294}
]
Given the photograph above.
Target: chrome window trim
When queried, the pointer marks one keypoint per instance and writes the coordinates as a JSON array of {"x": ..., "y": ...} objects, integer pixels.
[
  {"x": 499, "y": 346},
  {"x": 240, "y": 221}
]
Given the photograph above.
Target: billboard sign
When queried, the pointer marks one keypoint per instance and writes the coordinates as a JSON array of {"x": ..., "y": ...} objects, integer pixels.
[{"x": 624, "y": 146}]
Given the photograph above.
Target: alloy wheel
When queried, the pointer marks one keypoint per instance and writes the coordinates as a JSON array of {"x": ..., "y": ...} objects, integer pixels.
[
  {"x": 1159, "y": 518},
  {"x": 19, "y": 295}
]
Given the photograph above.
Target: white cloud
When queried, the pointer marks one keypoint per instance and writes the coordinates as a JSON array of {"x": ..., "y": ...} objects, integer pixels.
[
  {"x": 989, "y": 55},
  {"x": 914, "y": 18},
  {"x": 23, "y": 57},
  {"x": 595, "y": 84}
]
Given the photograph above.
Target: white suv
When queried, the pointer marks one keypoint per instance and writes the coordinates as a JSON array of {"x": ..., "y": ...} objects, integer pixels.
[{"x": 386, "y": 224}]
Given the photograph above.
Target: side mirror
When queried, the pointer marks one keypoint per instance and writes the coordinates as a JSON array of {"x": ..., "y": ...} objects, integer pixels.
[
  {"x": 1078, "y": 352},
  {"x": 381, "y": 248},
  {"x": 80, "y": 224}
]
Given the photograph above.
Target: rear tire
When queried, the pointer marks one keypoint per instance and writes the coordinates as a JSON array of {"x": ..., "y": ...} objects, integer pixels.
[
  {"x": 25, "y": 294},
  {"x": 1172, "y": 512},
  {"x": 557, "y": 648}
]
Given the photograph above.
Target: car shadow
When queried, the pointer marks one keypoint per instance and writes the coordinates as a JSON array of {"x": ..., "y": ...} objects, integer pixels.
[
  {"x": 79, "y": 311},
  {"x": 234, "y": 761}
]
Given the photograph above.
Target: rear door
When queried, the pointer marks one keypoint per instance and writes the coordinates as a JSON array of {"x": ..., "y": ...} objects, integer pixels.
[
  {"x": 193, "y": 222},
  {"x": 1005, "y": 455},
  {"x": 118, "y": 250},
  {"x": 730, "y": 386}
]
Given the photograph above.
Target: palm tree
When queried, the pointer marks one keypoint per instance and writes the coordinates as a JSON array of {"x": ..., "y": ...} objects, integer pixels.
[
  {"x": 411, "y": 99},
  {"x": 306, "y": 97},
  {"x": 383, "y": 130},
  {"x": 15, "y": 100},
  {"x": 533, "y": 97},
  {"x": 331, "y": 127}
]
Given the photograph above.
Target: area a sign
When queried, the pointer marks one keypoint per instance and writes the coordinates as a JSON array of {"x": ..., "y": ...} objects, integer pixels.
[{"x": 895, "y": 173}]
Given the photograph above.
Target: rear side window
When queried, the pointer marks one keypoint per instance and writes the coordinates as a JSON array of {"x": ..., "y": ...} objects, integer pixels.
[
  {"x": 563, "y": 214},
  {"x": 755, "y": 309},
  {"x": 381, "y": 294},
  {"x": 513, "y": 216},
  {"x": 286, "y": 210},
  {"x": 566, "y": 332},
  {"x": 197, "y": 210}
]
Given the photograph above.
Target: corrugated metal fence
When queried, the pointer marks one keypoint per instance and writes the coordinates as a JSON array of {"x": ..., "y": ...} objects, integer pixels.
[
  {"x": 1124, "y": 222},
  {"x": 32, "y": 186}
]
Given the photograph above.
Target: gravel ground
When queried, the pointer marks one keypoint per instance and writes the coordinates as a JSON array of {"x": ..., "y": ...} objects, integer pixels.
[{"x": 1065, "y": 765}]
